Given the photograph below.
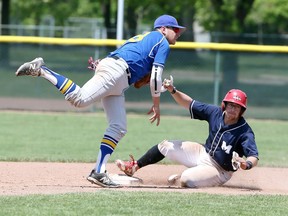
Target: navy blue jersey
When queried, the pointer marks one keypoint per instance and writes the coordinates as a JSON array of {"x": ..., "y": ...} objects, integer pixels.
[
  {"x": 224, "y": 139},
  {"x": 142, "y": 51}
]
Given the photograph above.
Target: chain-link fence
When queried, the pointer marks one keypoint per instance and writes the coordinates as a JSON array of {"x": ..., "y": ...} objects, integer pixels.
[{"x": 205, "y": 74}]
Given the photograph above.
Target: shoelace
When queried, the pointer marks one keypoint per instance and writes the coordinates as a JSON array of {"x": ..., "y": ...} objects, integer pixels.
[{"x": 132, "y": 160}]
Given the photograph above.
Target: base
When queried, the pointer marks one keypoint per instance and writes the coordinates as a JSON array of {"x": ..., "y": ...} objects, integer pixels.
[{"x": 123, "y": 179}]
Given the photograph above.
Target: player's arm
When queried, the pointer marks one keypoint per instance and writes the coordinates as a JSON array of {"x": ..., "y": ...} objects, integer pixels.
[
  {"x": 181, "y": 98},
  {"x": 155, "y": 88},
  {"x": 249, "y": 163},
  {"x": 156, "y": 81}
]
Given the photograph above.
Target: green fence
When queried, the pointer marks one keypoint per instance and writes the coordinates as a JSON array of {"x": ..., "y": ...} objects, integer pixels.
[{"x": 205, "y": 71}]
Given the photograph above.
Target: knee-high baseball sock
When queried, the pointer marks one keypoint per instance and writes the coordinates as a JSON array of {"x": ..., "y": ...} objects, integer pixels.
[
  {"x": 63, "y": 84},
  {"x": 108, "y": 144},
  {"x": 153, "y": 155}
]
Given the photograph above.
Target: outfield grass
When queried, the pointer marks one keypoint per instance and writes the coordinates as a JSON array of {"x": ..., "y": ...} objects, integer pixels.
[
  {"x": 74, "y": 137},
  {"x": 105, "y": 202}
]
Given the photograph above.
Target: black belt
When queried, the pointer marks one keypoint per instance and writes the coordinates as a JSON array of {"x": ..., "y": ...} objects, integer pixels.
[
  {"x": 127, "y": 70},
  {"x": 114, "y": 57}
]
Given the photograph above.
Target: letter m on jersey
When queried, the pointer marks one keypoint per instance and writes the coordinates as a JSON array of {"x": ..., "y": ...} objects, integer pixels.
[{"x": 226, "y": 148}]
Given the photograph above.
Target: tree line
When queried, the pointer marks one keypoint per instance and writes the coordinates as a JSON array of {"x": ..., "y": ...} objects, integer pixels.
[
  {"x": 225, "y": 16},
  {"x": 226, "y": 20}
]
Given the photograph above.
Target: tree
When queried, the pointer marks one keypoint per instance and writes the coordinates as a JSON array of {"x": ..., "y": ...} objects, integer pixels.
[
  {"x": 225, "y": 16},
  {"x": 270, "y": 15},
  {"x": 5, "y": 11},
  {"x": 5, "y": 15}
]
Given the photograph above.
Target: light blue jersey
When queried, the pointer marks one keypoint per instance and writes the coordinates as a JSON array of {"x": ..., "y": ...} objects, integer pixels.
[{"x": 141, "y": 52}]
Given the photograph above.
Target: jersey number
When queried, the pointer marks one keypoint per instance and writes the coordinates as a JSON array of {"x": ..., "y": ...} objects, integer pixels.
[{"x": 137, "y": 37}]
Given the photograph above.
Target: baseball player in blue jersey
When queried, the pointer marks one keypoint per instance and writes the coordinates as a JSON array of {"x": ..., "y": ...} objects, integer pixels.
[
  {"x": 140, "y": 56},
  {"x": 212, "y": 164}
]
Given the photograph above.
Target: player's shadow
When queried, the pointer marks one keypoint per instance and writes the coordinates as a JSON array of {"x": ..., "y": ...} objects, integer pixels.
[{"x": 242, "y": 187}]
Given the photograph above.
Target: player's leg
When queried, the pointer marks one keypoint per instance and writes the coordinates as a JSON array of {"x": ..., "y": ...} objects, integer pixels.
[
  {"x": 116, "y": 115},
  {"x": 183, "y": 152},
  {"x": 110, "y": 78},
  {"x": 37, "y": 68},
  {"x": 206, "y": 174},
  {"x": 178, "y": 151},
  {"x": 153, "y": 155},
  {"x": 199, "y": 176},
  {"x": 202, "y": 171},
  {"x": 115, "y": 111}
]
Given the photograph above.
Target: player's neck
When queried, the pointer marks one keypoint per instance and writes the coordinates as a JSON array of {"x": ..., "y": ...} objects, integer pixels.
[{"x": 230, "y": 120}]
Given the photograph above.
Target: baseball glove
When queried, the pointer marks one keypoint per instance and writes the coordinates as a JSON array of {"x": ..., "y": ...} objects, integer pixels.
[
  {"x": 92, "y": 64},
  {"x": 235, "y": 162},
  {"x": 143, "y": 81}
]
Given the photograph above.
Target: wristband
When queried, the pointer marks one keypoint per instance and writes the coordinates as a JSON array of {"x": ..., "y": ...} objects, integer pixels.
[
  {"x": 249, "y": 165},
  {"x": 174, "y": 90}
]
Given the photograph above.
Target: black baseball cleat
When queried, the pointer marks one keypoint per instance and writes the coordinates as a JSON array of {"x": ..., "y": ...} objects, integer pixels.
[
  {"x": 32, "y": 68},
  {"x": 101, "y": 179}
]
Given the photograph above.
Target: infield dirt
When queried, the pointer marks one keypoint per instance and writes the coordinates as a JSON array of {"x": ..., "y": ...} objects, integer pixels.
[{"x": 23, "y": 178}]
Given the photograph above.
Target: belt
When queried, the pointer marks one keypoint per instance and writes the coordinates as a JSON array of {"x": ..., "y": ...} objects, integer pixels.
[
  {"x": 114, "y": 57},
  {"x": 127, "y": 70}
]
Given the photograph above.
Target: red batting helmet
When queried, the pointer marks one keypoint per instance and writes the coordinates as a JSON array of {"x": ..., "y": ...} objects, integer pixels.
[{"x": 235, "y": 96}]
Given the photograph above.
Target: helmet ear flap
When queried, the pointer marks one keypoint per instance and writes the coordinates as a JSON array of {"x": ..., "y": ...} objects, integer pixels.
[
  {"x": 223, "y": 105},
  {"x": 242, "y": 111}
]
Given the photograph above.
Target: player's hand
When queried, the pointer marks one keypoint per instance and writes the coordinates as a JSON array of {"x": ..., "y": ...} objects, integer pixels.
[
  {"x": 167, "y": 83},
  {"x": 238, "y": 162},
  {"x": 156, "y": 114},
  {"x": 92, "y": 64}
]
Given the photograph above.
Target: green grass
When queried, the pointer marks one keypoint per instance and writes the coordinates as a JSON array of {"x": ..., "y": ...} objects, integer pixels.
[
  {"x": 70, "y": 137},
  {"x": 67, "y": 137},
  {"x": 108, "y": 202},
  {"x": 75, "y": 137}
]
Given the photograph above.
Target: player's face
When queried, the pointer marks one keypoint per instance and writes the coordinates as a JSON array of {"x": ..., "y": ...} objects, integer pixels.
[
  {"x": 171, "y": 34},
  {"x": 233, "y": 111}
]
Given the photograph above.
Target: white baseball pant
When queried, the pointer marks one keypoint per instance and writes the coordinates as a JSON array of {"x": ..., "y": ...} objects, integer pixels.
[
  {"x": 108, "y": 85},
  {"x": 202, "y": 170}
]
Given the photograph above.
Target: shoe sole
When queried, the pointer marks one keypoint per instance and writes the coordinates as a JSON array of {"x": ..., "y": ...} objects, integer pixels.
[{"x": 95, "y": 181}]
